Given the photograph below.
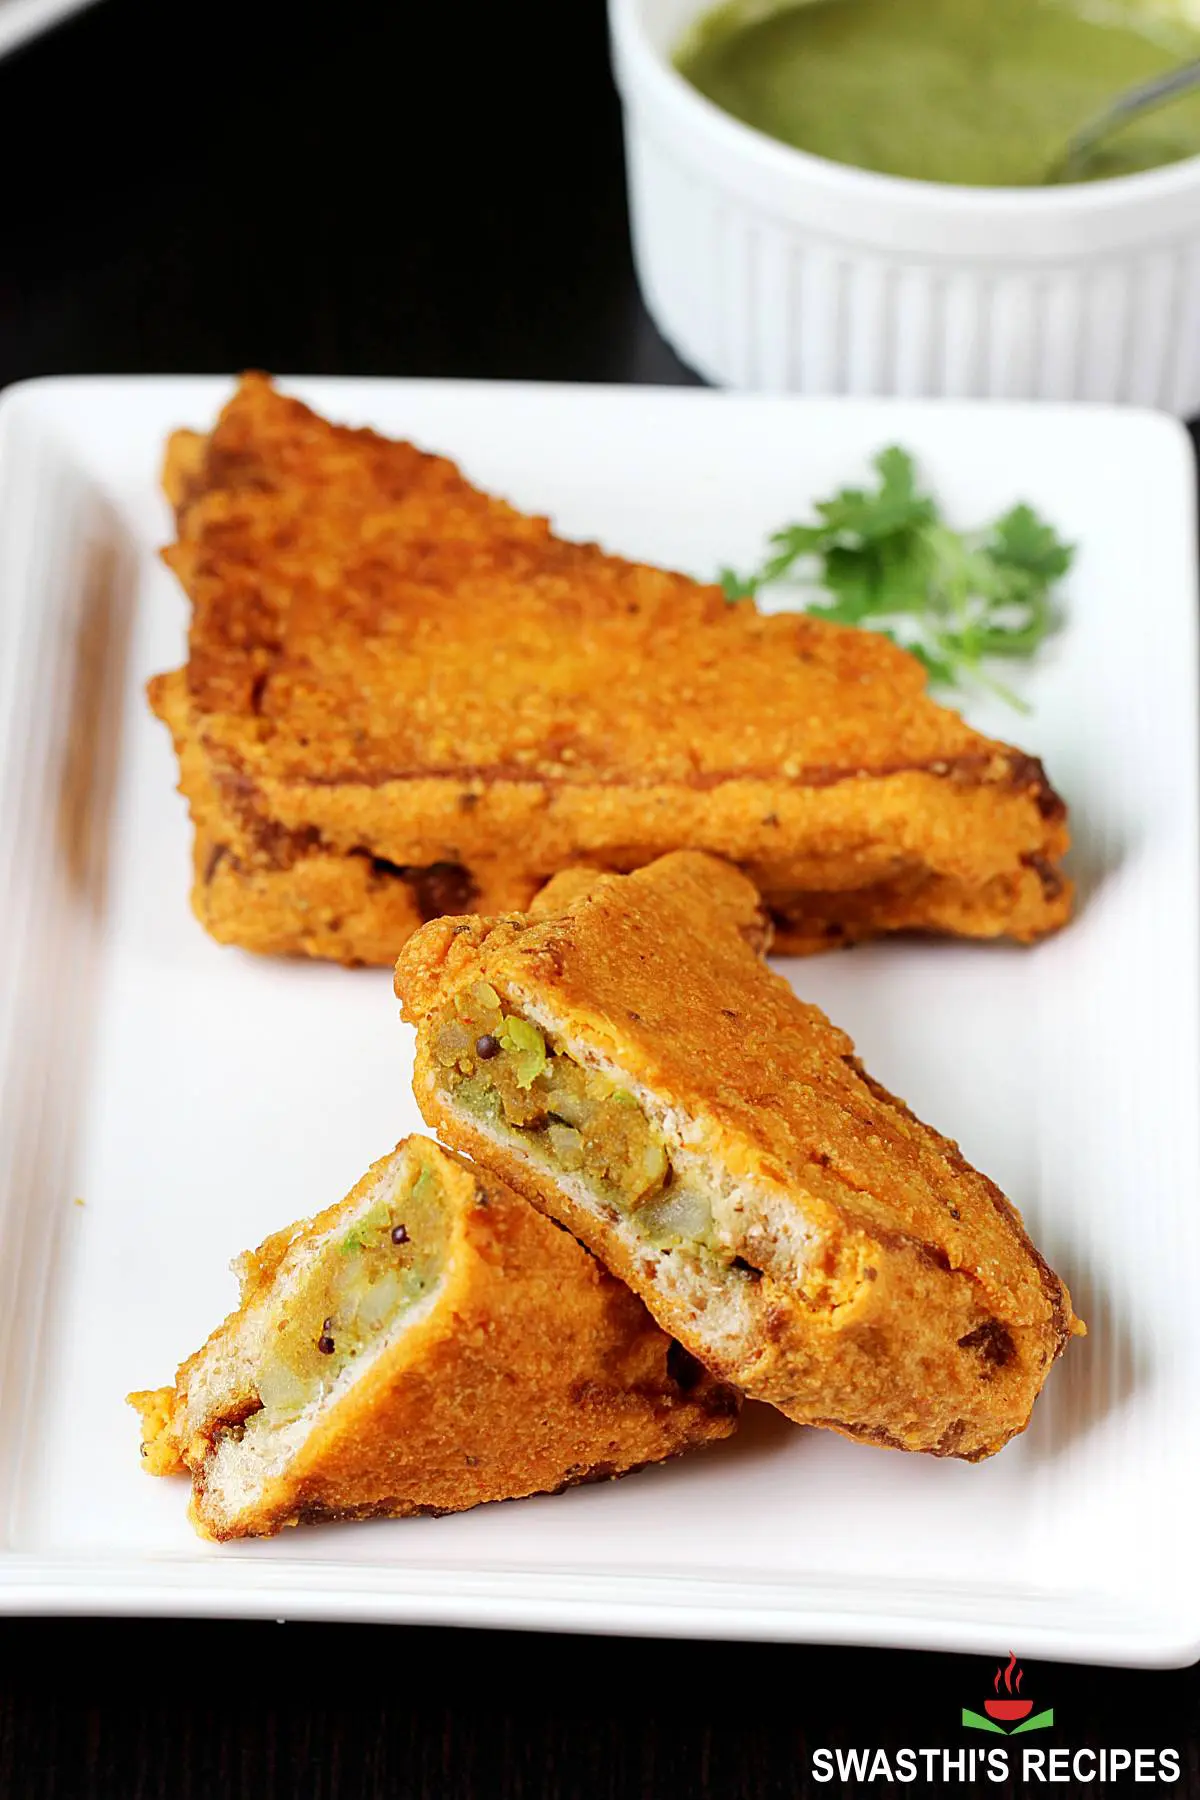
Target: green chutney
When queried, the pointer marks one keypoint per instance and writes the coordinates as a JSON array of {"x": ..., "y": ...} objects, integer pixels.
[{"x": 981, "y": 92}]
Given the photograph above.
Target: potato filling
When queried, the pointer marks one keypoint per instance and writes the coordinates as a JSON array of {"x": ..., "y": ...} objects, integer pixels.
[
  {"x": 501, "y": 1067},
  {"x": 364, "y": 1279}
]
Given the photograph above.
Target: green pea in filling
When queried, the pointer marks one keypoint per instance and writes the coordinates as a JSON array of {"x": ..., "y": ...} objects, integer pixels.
[
  {"x": 501, "y": 1067},
  {"x": 364, "y": 1279}
]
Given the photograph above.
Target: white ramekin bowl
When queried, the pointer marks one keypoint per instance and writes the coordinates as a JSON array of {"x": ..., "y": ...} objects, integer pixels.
[{"x": 768, "y": 268}]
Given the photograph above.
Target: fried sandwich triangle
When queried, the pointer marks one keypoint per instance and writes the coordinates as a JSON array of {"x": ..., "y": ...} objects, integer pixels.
[
  {"x": 428, "y": 1343},
  {"x": 404, "y": 698},
  {"x": 623, "y": 1056}
]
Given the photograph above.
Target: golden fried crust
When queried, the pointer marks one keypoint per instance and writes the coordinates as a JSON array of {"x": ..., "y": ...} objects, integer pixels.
[
  {"x": 535, "y": 1370},
  {"x": 343, "y": 909},
  {"x": 360, "y": 909},
  {"x": 920, "y": 1315},
  {"x": 183, "y": 471},
  {"x": 584, "y": 709},
  {"x": 161, "y": 1452}
]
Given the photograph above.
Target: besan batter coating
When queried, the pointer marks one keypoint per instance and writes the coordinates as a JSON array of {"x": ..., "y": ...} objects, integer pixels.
[
  {"x": 394, "y": 678},
  {"x": 429, "y": 1343},
  {"x": 624, "y": 1057}
]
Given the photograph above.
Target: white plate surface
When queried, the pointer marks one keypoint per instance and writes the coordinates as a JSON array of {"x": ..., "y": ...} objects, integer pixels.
[
  {"x": 23, "y": 19},
  {"x": 195, "y": 1098}
]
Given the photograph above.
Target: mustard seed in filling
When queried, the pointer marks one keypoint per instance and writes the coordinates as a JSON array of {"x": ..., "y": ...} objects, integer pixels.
[
  {"x": 589, "y": 1123},
  {"x": 578, "y": 1120},
  {"x": 357, "y": 1289}
]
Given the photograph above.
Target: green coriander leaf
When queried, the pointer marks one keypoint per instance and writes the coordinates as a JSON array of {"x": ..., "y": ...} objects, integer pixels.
[
  {"x": 938, "y": 668},
  {"x": 790, "y": 547},
  {"x": 737, "y": 587},
  {"x": 1024, "y": 540},
  {"x": 883, "y": 558},
  {"x": 899, "y": 472},
  {"x": 895, "y": 505},
  {"x": 1023, "y": 635},
  {"x": 852, "y": 585},
  {"x": 799, "y": 540}
]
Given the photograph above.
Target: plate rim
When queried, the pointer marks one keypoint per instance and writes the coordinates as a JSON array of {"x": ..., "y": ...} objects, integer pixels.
[{"x": 34, "y": 1582}]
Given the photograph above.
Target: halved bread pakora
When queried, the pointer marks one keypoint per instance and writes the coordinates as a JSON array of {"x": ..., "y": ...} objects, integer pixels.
[
  {"x": 404, "y": 698},
  {"x": 429, "y": 1343},
  {"x": 624, "y": 1057}
]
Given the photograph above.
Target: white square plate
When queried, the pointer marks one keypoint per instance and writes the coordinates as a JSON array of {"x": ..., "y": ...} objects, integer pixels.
[{"x": 195, "y": 1098}]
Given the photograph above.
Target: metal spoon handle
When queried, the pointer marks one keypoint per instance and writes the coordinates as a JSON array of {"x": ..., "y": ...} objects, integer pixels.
[{"x": 1135, "y": 100}]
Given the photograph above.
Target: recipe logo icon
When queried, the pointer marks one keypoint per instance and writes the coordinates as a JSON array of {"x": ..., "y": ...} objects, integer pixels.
[{"x": 1008, "y": 1713}]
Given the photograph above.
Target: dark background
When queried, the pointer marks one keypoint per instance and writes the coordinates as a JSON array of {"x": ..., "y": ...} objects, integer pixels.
[{"x": 392, "y": 190}]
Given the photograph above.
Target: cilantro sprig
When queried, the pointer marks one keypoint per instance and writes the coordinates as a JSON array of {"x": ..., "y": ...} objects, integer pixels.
[{"x": 883, "y": 557}]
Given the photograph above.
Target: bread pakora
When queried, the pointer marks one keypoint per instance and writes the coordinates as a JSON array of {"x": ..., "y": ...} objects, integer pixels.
[
  {"x": 624, "y": 1056},
  {"x": 404, "y": 698},
  {"x": 429, "y": 1343}
]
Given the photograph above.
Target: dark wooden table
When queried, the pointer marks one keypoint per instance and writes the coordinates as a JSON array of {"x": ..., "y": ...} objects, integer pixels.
[{"x": 387, "y": 190}]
